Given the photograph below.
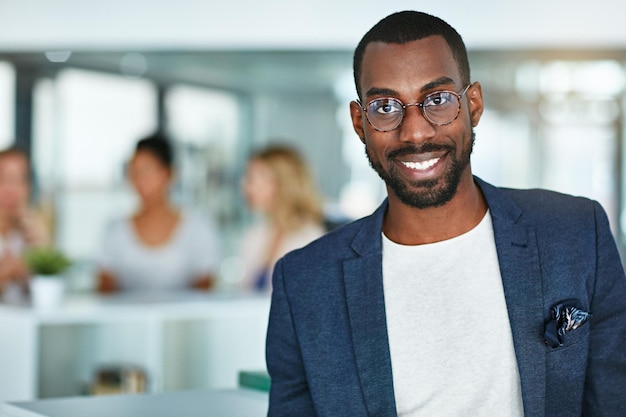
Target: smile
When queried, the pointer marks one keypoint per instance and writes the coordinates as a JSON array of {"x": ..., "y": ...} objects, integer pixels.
[{"x": 420, "y": 166}]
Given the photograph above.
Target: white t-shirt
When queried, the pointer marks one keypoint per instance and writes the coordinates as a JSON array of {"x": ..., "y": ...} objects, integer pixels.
[
  {"x": 191, "y": 252},
  {"x": 450, "y": 338}
]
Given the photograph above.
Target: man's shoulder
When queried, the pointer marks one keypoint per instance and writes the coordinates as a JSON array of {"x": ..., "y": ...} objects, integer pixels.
[
  {"x": 548, "y": 200},
  {"x": 532, "y": 198},
  {"x": 537, "y": 206}
]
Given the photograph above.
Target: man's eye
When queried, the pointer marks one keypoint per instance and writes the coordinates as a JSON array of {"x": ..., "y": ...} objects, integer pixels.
[
  {"x": 387, "y": 107},
  {"x": 437, "y": 99}
]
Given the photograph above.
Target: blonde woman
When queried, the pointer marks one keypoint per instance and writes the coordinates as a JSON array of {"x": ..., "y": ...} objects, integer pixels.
[{"x": 278, "y": 186}]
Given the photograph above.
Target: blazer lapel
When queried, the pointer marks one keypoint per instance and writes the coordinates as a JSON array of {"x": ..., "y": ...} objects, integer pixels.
[
  {"x": 366, "y": 310},
  {"x": 519, "y": 266}
]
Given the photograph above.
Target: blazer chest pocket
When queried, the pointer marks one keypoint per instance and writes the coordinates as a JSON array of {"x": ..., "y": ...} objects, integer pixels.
[{"x": 572, "y": 339}]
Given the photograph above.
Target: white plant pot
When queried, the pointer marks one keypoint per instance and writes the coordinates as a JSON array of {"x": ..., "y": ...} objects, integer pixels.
[{"x": 46, "y": 291}]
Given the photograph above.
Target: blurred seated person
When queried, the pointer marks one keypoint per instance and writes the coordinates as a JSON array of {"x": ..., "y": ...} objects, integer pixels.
[
  {"x": 21, "y": 226},
  {"x": 159, "y": 247},
  {"x": 278, "y": 186}
]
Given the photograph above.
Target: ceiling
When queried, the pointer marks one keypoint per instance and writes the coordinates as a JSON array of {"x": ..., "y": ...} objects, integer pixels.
[{"x": 288, "y": 24}]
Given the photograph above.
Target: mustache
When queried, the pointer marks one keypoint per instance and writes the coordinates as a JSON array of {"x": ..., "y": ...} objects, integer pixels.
[{"x": 413, "y": 149}]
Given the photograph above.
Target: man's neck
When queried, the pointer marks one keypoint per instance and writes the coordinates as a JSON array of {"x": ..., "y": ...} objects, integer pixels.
[{"x": 408, "y": 225}]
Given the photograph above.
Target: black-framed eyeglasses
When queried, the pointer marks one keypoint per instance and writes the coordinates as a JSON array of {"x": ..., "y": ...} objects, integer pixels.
[{"x": 439, "y": 108}]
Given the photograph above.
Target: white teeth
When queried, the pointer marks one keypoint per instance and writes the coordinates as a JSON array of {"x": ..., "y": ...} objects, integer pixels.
[{"x": 421, "y": 165}]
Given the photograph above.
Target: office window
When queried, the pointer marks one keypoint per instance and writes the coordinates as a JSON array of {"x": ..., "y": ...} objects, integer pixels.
[
  {"x": 203, "y": 116},
  {"x": 579, "y": 132},
  {"x": 102, "y": 117},
  {"x": 85, "y": 127},
  {"x": 505, "y": 159},
  {"x": 552, "y": 123},
  {"x": 7, "y": 104}
]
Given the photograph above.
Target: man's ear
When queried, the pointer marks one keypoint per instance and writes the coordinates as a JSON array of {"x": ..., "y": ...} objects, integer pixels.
[
  {"x": 475, "y": 100},
  {"x": 356, "y": 113}
]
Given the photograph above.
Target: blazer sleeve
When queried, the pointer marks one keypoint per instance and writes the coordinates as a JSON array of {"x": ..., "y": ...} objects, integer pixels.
[
  {"x": 605, "y": 384},
  {"x": 289, "y": 392}
]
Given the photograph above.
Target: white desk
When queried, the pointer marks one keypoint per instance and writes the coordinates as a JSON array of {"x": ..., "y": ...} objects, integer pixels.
[
  {"x": 213, "y": 403},
  {"x": 184, "y": 341}
]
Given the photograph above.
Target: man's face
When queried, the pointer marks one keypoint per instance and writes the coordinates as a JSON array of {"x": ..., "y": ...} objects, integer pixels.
[{"x": 422, "y": 164}]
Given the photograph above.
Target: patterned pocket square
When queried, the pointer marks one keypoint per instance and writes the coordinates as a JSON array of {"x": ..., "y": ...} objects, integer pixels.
[{"x": 565, "y": 318}]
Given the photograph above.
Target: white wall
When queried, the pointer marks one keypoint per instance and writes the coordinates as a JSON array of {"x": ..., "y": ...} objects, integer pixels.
[{"x": 72, "y": 24}]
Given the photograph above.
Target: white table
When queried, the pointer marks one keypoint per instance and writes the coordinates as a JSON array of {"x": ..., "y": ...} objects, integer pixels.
[
  {"x": 184, "y": 341},
  {"x": 213, "y": 403}
]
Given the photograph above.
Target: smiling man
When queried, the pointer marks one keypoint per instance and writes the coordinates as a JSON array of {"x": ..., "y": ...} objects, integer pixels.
[{"x": 454, "y": 298}]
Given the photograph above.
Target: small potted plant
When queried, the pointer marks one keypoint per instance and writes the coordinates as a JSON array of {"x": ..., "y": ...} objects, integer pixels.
[{"x": 47, "y": 266}]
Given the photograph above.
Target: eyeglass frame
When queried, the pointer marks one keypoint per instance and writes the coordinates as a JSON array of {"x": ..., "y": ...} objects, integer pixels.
[{"x": 420, "y": 104}]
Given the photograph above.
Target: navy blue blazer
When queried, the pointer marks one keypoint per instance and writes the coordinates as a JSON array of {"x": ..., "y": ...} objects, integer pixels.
[{"x": 327, "y": 348}]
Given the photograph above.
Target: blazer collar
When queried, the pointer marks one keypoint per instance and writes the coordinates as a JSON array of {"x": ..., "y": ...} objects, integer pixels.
[
  {"x": 519, "y": 267},
  {"x": 368, "y": 239}
]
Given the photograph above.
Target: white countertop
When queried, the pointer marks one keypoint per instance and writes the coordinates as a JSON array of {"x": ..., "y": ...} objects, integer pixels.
[{"x": 80, "y": 308}]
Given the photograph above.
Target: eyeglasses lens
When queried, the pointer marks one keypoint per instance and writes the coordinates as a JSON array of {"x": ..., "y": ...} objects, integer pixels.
[{"x": 439, "y": 108}]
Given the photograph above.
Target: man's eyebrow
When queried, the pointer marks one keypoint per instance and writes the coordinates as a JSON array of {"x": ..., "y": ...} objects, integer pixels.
[
  {"x": 375, "y": 91},
  {"x": 442, "y": 81},
  {"x": 437, "y": 83}
]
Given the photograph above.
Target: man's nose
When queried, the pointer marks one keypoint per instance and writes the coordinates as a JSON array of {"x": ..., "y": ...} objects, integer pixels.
[{"x": 415, "y": 127}]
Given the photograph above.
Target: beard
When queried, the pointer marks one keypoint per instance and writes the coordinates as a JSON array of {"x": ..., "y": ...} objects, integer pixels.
[{"x": 427, "y": 193}]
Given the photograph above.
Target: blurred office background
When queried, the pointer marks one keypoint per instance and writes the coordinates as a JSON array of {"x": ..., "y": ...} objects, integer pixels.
[{"x": 81, "y": 81}]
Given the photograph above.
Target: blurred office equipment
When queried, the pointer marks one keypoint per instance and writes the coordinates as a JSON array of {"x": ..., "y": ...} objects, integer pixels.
[{"x": 119, "y": 379}]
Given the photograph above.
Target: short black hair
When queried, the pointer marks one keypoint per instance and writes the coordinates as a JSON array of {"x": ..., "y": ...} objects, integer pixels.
[
  {"x": 159, "y": 146},
  {"x": 407, "y": 26}
]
